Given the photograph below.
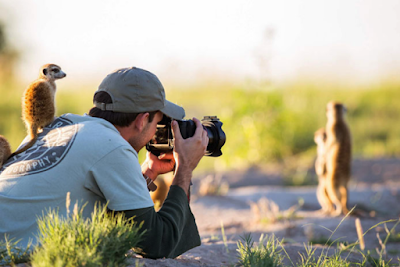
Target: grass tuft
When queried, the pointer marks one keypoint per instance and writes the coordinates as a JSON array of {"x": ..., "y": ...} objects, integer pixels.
[
  {"x": 266, "y": 253},
  {"x": 102, "y": 240},
  {"x": 341, "y": 255},
  {"x": 309, "y": 259},
  {"x": 11, "y": 254}
]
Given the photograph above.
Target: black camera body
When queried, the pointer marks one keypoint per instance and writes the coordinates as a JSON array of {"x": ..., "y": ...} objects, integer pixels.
[{"x": 162, "y": 141}]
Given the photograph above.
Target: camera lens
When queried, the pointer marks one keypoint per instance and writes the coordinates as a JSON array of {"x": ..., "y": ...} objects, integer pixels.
[
  {"x": 215, "y": 134},
  {"x": 213, "y": 126}
]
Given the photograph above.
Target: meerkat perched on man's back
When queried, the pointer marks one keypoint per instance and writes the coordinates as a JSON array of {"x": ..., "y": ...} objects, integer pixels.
[
  {"x": 338, "y": 156},
  {"x": 320, "y": 170},
  {"x": 38, "y": 103}
]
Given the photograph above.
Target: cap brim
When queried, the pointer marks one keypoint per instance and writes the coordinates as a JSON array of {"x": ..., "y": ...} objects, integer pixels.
[{"x": 173, "y": 111}]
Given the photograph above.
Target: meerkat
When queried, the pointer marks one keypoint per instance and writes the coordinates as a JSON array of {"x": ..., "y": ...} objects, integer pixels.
[
  {"x": 163, "y": 184},
  {"x": 38, "y": 103},
  {"x": 338, "y": 156},
  {"x": 5, "y": 150},
  {"x": 320, "y": 169}
]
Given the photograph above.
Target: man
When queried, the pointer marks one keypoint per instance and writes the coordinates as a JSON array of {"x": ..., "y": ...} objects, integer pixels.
[{"x": 94, "y": 157}]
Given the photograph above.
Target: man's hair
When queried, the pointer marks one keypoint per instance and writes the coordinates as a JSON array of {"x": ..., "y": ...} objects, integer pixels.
[{"x": 116, "y": 118}]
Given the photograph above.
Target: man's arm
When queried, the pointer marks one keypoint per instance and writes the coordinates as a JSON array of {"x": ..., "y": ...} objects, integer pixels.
[
  {"x": 169, "y": 232},
  {"x": 188, "y": 153},
  {"x": 172, "y": 230}
]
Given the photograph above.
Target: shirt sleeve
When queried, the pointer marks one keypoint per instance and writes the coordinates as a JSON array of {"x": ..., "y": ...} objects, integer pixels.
[
  {"x": 169, "y": 232},
  {"x": 117, "y": 177}
]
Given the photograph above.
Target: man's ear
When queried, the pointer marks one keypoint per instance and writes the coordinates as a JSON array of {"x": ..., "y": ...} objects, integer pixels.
[{"x": 141, "y": 120}]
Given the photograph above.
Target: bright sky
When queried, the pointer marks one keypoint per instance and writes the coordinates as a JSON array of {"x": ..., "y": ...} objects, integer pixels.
[{"x": 185, "y": 40}]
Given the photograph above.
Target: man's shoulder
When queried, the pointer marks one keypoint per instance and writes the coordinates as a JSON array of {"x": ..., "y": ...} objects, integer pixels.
[
  {"x": 96, "y": 133},
  {"x": 69, "y": 138},
  {"x": 90, "y": 125},
  {"x": 86, "y": 119}
]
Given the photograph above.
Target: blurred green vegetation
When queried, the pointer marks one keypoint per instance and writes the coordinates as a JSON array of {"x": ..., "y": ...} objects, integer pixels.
[
  {"x": 263, "y": 126},
  {"x": 277, "y": 125}
]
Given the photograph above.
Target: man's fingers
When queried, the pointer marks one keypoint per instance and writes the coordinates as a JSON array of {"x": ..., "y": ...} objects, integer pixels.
[
  {"x": 199, "y": 134},
  {"x": 205, "y": 140},
  {"x": 199, "y": 127},
  {"x": 166, "y": 156},
  {"x": 175, "y": 130},
  {"x": 151, "y": 155},
  {"x": 205, "y": 136}
]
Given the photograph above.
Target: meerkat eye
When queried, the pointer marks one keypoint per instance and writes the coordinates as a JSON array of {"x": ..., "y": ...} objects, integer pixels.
[{"x": 56, "y": 70}]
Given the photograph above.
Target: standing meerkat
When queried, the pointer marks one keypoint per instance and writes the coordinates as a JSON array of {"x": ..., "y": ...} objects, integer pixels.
[
  {"x": 5, "y": 150},
  {"x": 320, "y": 169},
  {"x": 338, "y": 156},
  {"x": 38, "y": 103}
]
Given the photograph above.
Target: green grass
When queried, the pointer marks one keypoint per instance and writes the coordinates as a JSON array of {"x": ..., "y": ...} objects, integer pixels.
[
  {"x": 265, "y": 254},
  {"x": 102, "y": 240},
  {"x": 271, "y": 251},
  {"x": 10, "y": 253},
  {"x": 105, "y": 239},
  {"x": 309, "y": 259},
  {"x": 322, "y": 240}
]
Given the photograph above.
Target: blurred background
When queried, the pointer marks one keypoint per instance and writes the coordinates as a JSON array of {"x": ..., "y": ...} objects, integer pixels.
[{"x": 265, "y": 68}]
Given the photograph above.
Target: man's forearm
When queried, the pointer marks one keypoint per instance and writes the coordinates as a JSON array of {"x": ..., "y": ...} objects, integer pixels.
[
  {"x": 169, "y": 232},
  {"x": 182, "y": 178}
]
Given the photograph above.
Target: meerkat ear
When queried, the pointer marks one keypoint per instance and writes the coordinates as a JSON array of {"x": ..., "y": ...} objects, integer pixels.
[{"x": 45, "y": 72}]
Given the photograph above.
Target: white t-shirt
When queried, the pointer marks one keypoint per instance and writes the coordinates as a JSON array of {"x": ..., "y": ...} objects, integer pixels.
[{"x": 78, "y": 154}]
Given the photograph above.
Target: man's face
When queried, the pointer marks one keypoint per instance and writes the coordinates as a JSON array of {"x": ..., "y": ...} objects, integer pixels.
[
  {"x": 147, "y": 133},
  {"x": 150, "y": 128}
]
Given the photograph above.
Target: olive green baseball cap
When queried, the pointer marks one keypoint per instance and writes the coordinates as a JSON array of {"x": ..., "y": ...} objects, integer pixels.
[{"x": 134, "y": 90}]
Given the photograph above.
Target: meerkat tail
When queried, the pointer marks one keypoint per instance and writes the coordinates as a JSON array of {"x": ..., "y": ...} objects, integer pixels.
[
  {"x": 25, "y": 147},
  {"x": 33, "y": 135}
]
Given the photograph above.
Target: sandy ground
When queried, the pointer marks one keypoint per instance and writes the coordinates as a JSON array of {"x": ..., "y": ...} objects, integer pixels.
[{"x": 293, "y": 215}]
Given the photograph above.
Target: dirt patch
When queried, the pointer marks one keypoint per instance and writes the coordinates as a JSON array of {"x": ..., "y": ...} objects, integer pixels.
[{"x": 374, "y": 192}]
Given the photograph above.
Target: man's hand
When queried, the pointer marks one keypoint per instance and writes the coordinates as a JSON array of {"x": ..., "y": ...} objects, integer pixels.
[
  {"x": 188, "y": 153},
  {"x": 154, "y": 166}
]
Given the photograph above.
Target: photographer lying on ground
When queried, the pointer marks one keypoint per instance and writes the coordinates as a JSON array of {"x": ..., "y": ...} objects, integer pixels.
[{"x": 95, "y": 159}]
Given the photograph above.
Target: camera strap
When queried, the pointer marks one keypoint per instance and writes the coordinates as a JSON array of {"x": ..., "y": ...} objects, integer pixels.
[{"x": 150, "y": 185}]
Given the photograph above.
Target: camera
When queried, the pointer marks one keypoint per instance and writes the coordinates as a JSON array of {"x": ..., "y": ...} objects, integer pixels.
[{"x": 162, "y": 141}]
